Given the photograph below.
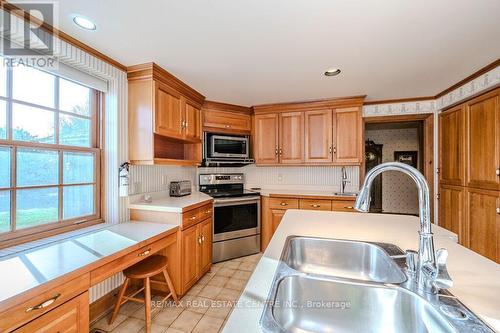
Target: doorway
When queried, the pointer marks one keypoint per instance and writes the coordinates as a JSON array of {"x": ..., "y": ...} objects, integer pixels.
[{"x": 407, "y": 139}]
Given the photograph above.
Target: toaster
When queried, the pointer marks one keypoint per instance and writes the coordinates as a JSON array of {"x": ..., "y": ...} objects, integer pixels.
[{"x": 180, "y": 188}]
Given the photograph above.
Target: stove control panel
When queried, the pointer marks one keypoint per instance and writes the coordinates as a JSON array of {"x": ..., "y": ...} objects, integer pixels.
[{"x": 226, "y": 178}]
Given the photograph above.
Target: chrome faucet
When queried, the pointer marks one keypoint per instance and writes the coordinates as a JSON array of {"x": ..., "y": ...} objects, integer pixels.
[
  {"x": 343, "y": 181},
  {"x": 431, "y": 274}
]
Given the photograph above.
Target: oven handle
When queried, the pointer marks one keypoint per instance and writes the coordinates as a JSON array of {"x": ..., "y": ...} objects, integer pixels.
[{"x": 236, "y": 201}]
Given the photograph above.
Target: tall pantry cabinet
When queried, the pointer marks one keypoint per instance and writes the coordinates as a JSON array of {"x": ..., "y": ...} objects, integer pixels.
[{"x": 469, "y": 173}]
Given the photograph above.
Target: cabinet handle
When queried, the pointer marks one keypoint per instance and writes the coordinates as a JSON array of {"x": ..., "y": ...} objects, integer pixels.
[
  {"x": 44, "y": 304},
  {"x": 208, "y": 212},
  {"x": 192, "y": 218},
  {"x": 349, "y": 207},
  {"x": 498, "y": 171},
  {"x": 199, "y": 240},
  {"x": 276, "y": 151},
  {"x": 145, "y": 253},
  {"x": 202, "y": 238},
  {"x": 335, "y": 150},
  {"x": 438, "y": 170},
  {"x": 330, "y": 150},
  {"x": 227, "y": 126},
  {"x": 281, "y": 151},
  {"x": 498, "y": 210},
  {"x": 283, "y": 204},
  {"x": 315, "y": 205},
  {"x": 185, "y": 124}
]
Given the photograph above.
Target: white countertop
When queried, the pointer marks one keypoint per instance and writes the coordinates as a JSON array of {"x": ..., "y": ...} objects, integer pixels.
[
  {"x": 476, "y": 279},
  {"x": 28, "y": 269},
  {"x": 162, "y": 202},
  {"x": 302, "y": 192}
]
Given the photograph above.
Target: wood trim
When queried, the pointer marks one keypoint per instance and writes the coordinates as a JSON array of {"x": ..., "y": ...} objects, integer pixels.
[
  {"x": 396, "y": 118},
  {"x": 13, "y": 9},
  {"x": 153, "y": 71},
  {"x": 471, "y": 77},
  {"x": 399, "y": 100},
  {"x": 219, "y": 106},
  {"x": 310, "y": 105}
]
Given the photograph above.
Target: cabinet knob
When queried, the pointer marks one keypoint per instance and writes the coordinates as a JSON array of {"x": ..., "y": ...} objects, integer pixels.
[
  {"x": 283, "y": 204},
  {"x": 145, "y": 253},
  {"x": 199, "y": 240},
  {"x": 202, "y": 238},
  {"x": 349, "y": 207},
  {"x": 44, "y": 304},
  {"x": 498, "y": 210},
  {"x": 315, "y": 205},
  {"x": 193, "y": 218},
  {"x": 227, "y": 126},
  {"x": 498, "y": 171}
]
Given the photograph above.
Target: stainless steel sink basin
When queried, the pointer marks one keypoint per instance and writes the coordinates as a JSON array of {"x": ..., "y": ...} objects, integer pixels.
[
  {"x": 344, "y": 259},
  {"x": 305, "y": 304}
]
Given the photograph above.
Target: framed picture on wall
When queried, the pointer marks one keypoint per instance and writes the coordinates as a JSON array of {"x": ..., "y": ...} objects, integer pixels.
[{"x": 407, "y": 157}]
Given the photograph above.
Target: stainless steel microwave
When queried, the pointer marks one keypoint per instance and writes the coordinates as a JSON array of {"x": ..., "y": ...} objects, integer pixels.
[{"x": 227, "y": 146}]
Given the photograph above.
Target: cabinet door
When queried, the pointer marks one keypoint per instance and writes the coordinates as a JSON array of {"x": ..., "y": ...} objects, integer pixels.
[
  {"x": 190, "y": 256},
  {"x": 483, "y": 222},
  {"x": 483, "y": 125},
  {"x": 452, "y": 210},
  {"x": 229, "y": 122},
  {"x": 276, "y": 216},
  {"x": 70, "y": 317},
  {"x": 206, "y": 245},
  {"x": 291, "y": 132},
  {"x": 192, "y": 125},
  {"x": 347, "y": 135},
  {"x": 452, "y": 145},
  {"x": 266, "y": 139},
  {"x": 168, "y": 112},
  {"x": 318, "y": 136}
]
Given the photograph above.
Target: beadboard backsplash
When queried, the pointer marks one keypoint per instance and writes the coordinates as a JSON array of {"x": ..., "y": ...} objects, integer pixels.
[{"x": 145, "y": 179}]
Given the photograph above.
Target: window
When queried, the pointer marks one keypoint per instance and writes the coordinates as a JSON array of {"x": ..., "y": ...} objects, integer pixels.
[{"x": 49, "y": 152}]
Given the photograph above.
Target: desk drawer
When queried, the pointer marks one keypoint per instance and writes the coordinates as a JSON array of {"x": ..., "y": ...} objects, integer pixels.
[
  {"x": 41, "y": 303},
  {"x": 315, "y": 204},
  {"x": 72, "y": 316},
  {"x": 101, "y": 273},
  {"x": 284, "y": 203},
  {"x": 343, "y": 206}
]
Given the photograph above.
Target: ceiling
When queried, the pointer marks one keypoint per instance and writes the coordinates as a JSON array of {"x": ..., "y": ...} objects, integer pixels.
[{"x": 251, "y": 52}]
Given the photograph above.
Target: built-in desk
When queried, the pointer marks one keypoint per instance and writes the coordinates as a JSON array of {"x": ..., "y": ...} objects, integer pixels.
[{"x": 36, "y": 281}]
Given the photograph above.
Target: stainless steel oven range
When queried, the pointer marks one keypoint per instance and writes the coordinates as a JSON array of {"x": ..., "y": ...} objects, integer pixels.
[{"x": 236, "y": 223}]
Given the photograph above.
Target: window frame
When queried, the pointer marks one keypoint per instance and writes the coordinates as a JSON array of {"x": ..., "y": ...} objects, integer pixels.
[{"x": 18, "y": 236}]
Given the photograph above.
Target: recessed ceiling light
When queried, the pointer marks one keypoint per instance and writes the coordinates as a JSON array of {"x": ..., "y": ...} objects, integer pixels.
[
  {"x": 84, "y": 23},
  {"x": 332, "y": 72}
]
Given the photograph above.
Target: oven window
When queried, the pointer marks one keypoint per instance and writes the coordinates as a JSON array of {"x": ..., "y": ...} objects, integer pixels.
[
  {"x": 227, "y": 146},
  {"x": 235, "y": 218}
]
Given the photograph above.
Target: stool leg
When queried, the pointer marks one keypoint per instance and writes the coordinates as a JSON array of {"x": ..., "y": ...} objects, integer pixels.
[
  {"x": 123, "y": 289},
  {"x": 147, "y": 304},
  {"x": 170, "y": 286}
]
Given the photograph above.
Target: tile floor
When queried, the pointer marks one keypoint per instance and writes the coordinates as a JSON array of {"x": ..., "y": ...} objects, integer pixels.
[{"x": 204, "y": 308}]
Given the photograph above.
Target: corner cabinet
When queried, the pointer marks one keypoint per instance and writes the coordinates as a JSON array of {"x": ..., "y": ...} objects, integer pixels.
[
  {"x": 164, "y": 118},
  {"x": 311, "y": 133}
]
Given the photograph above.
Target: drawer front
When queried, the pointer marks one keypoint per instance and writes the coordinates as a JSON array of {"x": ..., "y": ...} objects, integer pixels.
[
  {"x": 343, "y": 206},
  {"x": 190, "y": 218},
  {"x": 284, "y": 203},
  {"x": 315, "y": 204},
  {"x": 101, "y": 273},
  {"x": 72, "y": 316},
  {"x": 205, "y": 212},
  {"x": 43, "y": 303}
]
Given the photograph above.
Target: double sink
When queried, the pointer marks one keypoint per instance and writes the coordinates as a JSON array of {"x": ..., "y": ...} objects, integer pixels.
[{"x": 328, "y": 285}]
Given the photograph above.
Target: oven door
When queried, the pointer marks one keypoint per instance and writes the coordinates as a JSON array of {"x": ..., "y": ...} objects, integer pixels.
[
  {"x": 236, "y": 217},
  {"x": 229, "y": 146}
]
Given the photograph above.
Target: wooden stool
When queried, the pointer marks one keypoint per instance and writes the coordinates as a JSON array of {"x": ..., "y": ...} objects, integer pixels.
[{"x": 144, "y": 270}]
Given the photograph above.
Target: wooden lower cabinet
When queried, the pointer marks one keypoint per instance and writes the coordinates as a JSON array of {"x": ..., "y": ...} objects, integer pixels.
[
  {"x": 196, "y": 244},
  {"x": 70, "y": 317},
  {"x": 452, "y": 210},
  {"x": 483, "y": 222},
  {"x": 274, "y": 208}
]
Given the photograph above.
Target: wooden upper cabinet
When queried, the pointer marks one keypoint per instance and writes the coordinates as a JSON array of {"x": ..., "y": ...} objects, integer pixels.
[
  {"x": 227, "y": 122},
  {"x": 452, "y": 146},
  {"x": 266, "y": 138},
  {"x": 452, "y": 214},
  {"x": 192, "y": 118},
  {"x": 291, "y": 137},
  {"x": 347, "y": 136},
  {"x": 318, "y": 136},
  {"x": 483, "y": 223},
  {"x": 169, "y": 114},
  {"x": 483, "y": 141}
]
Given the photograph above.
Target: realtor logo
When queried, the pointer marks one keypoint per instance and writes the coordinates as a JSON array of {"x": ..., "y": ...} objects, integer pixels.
[{"x": 25, "y": 39}]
